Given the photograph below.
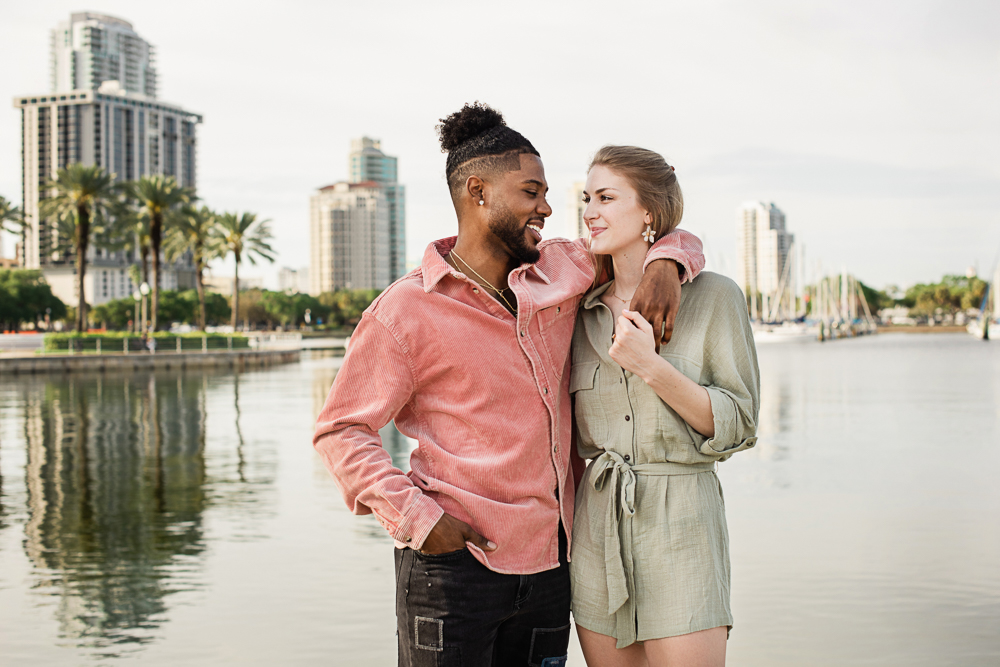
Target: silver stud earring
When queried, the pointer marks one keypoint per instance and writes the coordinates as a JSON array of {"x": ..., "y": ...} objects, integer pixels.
[{"x": 481, "y": 201}]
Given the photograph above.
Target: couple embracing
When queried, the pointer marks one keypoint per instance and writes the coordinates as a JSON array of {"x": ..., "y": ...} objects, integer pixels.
[{"x": 565, "y": 458}]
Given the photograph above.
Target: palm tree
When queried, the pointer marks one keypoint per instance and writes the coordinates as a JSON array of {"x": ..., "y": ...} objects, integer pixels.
[
  {"x": 11, "y": 217},
  {"x": 82, "y": 202},
  {"x": 247, "y": 238},
  {"x": 157, "y": 195},
  {"x": 192, "y": 230}
]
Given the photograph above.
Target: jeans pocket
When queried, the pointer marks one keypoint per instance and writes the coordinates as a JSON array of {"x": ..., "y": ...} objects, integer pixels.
[
  {"x": 549, "y": 647},
  {"x": 442, "y": 558}
]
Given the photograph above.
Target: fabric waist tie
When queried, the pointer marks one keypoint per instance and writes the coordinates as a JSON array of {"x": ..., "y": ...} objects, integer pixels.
[{"x": 615, "y": 473}]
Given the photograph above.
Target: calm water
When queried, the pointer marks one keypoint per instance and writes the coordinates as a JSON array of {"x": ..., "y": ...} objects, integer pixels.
[{"x": 184, "y": 518}]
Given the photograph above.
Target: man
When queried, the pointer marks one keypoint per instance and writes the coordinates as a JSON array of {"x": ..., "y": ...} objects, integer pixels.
[{"x": 470, "y": 355}]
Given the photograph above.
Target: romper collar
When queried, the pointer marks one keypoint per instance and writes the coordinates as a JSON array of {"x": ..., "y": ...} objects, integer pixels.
[{"x": 594, "y": 296}]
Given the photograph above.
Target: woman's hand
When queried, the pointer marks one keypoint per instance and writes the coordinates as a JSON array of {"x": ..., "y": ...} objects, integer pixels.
[{"x": 634, "y": 348}]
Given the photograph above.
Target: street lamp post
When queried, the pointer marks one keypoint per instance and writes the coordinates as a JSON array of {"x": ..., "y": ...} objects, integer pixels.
[
  {"x": 144, "y": 288},
  {"x": 137, "y": 295}
]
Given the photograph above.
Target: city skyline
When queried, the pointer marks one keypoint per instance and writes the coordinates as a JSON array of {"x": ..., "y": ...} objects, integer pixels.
[{"x": 883, "y": 112}]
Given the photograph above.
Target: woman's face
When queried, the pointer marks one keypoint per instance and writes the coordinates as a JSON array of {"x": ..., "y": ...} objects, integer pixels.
[{"x": 614, "y": 216}]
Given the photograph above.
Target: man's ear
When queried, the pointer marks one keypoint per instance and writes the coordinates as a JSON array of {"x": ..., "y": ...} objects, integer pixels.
[{"x": 474, "y": 189}]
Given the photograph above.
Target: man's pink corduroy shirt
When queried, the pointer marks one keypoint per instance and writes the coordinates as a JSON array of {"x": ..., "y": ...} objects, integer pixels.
[{"x": 485, "y": 396}]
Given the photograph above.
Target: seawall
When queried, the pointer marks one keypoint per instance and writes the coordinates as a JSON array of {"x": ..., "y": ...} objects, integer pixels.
[{"x": 139, "y": 361}]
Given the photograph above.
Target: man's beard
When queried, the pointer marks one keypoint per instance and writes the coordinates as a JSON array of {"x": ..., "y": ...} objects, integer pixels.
[{"x": 509, "y": 230}]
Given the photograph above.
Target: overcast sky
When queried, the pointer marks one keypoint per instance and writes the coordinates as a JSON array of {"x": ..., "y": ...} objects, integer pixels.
[{"x": 873, "y": 125}]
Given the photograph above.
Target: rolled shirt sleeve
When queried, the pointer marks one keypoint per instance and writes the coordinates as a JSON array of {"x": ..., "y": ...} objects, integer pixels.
[
  {"x": 374, "y": 383},
  {"x": 684, "y": 248},
  {"x": 679, "y": 245},
  {"x": 733, "y": 378}
]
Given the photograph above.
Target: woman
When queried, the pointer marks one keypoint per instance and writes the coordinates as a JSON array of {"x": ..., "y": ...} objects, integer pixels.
[{"x": 650, "y": 555}]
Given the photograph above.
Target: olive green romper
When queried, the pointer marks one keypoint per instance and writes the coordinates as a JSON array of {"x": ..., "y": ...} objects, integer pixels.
[{"x": 650, "y": 552}]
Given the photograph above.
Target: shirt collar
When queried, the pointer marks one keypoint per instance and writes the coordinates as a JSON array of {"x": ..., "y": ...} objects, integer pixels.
[
  {"x": 434, "y": 268},
  {"x": 594, "y": 296}
]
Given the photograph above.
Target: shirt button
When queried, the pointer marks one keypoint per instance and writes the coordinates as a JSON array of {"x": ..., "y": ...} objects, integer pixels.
[
  {"x": 558, "y": 309},
  {"x": 475, "y": 290},
  {"x": 627, "y": 457},
  {"x": 627, "y": 418},
  {"x": 522, "y": 332},
  {"x": 545, "y": 391},
  {"x": 409, "y": 539}
]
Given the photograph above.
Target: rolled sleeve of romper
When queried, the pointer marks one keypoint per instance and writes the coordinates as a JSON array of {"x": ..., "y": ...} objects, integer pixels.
[
  {"x": 374, "y": 383},
  {"x": 684, "y": 248},
  {"x": 734, "y": 379}
]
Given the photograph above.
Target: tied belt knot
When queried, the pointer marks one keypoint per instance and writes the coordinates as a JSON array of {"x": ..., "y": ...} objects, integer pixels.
[{"x": 615, "y": 478}]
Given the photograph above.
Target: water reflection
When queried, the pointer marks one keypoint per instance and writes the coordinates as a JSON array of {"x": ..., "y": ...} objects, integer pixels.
[{"x": 115, "y": 474}]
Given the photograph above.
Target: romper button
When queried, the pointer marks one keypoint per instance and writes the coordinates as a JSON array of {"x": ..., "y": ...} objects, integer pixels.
[{"x": 627, "y": 418}]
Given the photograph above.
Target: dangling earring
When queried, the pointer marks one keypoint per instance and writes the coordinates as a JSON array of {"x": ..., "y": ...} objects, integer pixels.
[{"x": 648, "y": 235}]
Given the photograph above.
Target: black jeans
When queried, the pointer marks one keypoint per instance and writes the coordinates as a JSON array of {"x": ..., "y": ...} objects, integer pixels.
[{"x": 451, "y": 611}]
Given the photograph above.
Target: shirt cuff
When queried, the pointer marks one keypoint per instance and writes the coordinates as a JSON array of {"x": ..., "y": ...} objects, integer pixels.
[
  {"x": 725, "y": 417},
  {"x": 418, "y": 522}
]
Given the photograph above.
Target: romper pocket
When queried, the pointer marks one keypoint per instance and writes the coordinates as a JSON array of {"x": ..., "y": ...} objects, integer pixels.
[{"x": 591, "y": 421}]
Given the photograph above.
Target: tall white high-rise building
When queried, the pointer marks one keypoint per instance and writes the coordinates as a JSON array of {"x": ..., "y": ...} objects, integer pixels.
[
  {"x": 576, "y": 210},
  {"x": 349, "y": 237},
  {"x": 92, "y": 48},
  {"x": 762, "y": 245},
  {"x": 97, "y": 121},
  {"x": 368, "y": 163}
]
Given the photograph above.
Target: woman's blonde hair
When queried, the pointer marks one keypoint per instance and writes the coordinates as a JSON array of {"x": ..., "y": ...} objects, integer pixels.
[{"x": 654, "y": 182}]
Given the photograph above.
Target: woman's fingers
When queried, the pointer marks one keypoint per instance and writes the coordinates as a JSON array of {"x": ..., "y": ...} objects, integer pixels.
[{"x": 636, "y": 319}]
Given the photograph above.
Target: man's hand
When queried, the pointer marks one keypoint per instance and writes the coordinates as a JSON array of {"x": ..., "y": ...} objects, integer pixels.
[
  {"x": 658, "y": 298},
  {"x": 449, "y": 534}
]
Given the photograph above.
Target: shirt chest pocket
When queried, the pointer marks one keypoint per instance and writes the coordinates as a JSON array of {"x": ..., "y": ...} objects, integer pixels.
[
  {"x": 662, "y": 424},
  {"x": 589, "y": 411}
]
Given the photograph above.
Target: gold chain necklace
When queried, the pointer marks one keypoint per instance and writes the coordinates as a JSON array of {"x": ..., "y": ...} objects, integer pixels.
[
  {"x": 614, "y": 293},
  {"x": 488, "y": 283}
]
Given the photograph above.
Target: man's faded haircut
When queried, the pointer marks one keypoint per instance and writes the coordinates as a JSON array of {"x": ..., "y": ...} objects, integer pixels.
[{"x": 478, "y": 141}]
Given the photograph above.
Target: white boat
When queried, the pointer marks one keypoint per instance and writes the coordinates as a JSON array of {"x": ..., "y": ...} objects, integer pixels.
[
  {"x": 979, "y": 328},
  {"x": 784, "y": 332}
]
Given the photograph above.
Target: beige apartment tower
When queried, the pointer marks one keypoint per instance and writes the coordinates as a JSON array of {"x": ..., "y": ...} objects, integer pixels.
[
  {"x": 763, "y": 247},
  {"x": 349, "y": 238}
]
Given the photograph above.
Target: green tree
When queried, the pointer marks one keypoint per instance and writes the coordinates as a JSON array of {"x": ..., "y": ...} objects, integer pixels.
[
  {"x": 192, "y": 231},
  {"x": 177, "y": 306},
  {"x": 82, "y": 201},
  {"x": 26, "y": 297},
  {"x": 157, "y": 196},
  {"x": 289, "y": 309},
  {"x": 114, "y": 314},
  {"x": 252, "y": 307},
  {"x": 246, "y": 238}
]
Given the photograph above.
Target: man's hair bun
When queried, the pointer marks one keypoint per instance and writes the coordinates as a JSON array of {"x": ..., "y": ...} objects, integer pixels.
[{"x": 473, "y": 120}]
